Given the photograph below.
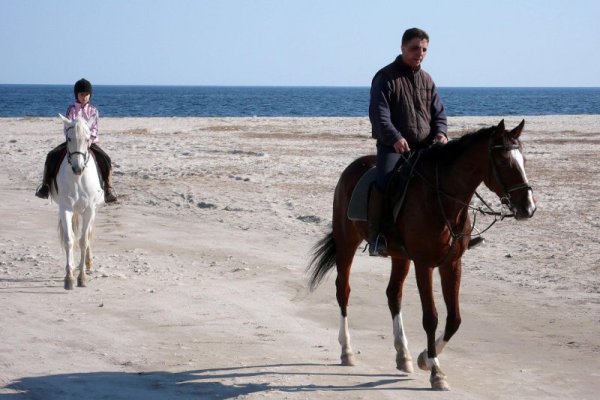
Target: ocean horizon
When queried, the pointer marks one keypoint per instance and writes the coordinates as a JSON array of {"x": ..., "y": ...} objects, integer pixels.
[{"x": 41, "y": 100}]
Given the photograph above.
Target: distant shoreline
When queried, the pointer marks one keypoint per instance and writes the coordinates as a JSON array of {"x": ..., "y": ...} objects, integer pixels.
[
  {"x": 110, "y": 85},
  {"x": 276, "y": 101}
]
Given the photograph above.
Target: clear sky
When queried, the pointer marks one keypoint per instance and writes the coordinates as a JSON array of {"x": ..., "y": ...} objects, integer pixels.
[{"x": 297, "y": 42}]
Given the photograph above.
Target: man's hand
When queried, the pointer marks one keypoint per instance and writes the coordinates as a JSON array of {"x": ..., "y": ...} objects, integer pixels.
[
  {"x": 401, "y": 146},
  {"x": 440, "y": 138}
]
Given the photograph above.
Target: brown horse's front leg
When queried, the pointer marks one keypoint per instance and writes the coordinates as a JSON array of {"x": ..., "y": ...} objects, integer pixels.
[
  {"x": 400, "y": 268},
  {"x": 430, "y": 321}
]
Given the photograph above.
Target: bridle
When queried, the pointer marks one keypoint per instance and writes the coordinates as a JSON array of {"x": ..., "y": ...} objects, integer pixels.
[
  {"x": 505, "y": 199},
  {"x": 86, "y": 155}
]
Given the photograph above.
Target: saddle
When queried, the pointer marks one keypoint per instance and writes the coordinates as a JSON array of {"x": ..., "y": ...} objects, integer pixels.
[{"x": 394, "y": 194}]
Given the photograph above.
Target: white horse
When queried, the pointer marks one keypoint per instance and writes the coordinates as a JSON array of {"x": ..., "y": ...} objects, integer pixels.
[{"x": 77, "y": 192}]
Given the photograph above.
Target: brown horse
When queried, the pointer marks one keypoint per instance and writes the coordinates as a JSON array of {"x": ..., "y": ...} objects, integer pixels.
[{"x": 433, "y": 227}]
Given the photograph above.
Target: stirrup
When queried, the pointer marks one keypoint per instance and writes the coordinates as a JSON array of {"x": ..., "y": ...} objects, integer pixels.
[
  {"x": 379, "y": 247},
  {"x": 476, "y": 241}
]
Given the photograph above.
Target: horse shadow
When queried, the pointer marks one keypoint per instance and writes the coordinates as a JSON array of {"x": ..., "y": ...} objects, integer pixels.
[{"x": 214, "y": 383}]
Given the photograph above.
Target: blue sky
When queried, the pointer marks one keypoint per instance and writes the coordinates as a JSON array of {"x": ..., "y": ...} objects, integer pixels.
[{"x": 297, "y": 42}]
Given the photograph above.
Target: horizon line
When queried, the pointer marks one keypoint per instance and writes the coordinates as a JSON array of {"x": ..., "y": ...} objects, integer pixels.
[{"x": 298, "y": 86}]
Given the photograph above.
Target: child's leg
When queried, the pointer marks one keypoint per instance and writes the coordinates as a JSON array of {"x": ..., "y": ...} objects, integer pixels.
[
  {"x": 105, "y": 165},
  {"x": 50, "y": 169}
]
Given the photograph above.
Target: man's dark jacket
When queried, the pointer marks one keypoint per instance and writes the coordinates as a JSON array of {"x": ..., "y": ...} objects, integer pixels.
[{"x": 405, "y": 103}]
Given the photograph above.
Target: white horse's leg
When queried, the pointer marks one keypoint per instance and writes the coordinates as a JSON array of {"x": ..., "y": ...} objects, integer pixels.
[
  {"x": 84, "y": 245},
  {"x": 344, "y": 339},
  {"x": 89, "y": 261},
  {"x": 403, "y": 357},
  {"x": 66, "y": 220}
]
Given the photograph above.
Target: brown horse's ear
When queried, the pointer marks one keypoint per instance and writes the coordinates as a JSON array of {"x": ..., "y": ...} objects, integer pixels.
[
  {"x": 515, "y": 133},
  {"x": 499, "y": 129}
]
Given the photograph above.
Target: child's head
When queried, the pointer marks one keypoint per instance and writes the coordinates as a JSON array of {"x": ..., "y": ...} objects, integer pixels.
[{"x": 83, "y": 91}]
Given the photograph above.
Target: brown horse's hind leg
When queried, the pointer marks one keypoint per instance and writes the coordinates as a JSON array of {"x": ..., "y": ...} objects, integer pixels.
[
  {"x": 344, "y": 256},
  {"x": 430, "y": 321},
  {"x": 400, "y": 268}
]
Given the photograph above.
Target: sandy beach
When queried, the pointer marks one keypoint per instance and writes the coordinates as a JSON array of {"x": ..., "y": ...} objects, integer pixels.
[{"x": 199, "y": 289}]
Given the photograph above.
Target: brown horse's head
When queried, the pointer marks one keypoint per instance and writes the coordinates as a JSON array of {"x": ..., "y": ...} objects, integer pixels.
[{"x": 506, "y": 175}]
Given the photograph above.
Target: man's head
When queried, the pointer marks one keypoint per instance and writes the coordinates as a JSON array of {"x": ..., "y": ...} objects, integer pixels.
[{"x": 414, "y": 47}]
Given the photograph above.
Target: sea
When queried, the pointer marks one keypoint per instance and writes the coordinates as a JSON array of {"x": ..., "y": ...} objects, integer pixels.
[{"x": 272, "y": 101}]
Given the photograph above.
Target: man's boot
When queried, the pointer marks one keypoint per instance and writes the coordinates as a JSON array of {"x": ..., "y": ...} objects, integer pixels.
[
  {"x": 109, "y": 195},
  {"x": 377, "y": 243}
]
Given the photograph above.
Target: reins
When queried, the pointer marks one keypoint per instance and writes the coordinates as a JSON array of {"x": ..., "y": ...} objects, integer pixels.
[{"x": 498, "y": 215}]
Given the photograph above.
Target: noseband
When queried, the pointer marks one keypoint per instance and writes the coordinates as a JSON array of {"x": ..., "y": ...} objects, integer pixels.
[{"x": 86, "y": 155}]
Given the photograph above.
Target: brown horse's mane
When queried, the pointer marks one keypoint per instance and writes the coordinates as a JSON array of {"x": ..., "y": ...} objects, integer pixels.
[{"x": 447, "y": 153}]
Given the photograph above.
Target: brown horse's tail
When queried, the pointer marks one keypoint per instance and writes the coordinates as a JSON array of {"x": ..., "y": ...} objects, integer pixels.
[{"x": 322, "y": 262}]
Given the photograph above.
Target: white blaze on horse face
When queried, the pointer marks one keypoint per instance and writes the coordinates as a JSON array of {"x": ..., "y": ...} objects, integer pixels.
[{"x": 520, "y": 161}]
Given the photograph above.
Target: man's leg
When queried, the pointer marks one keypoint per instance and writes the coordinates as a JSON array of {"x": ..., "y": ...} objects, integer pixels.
[{"x": 387, "y": 158}]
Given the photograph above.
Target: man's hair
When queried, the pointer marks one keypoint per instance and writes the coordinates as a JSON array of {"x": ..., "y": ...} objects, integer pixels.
[{"x": 412, "y": 33}]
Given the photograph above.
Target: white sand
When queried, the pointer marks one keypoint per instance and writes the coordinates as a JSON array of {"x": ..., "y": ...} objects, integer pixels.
[{"x": 199, "y": 288}]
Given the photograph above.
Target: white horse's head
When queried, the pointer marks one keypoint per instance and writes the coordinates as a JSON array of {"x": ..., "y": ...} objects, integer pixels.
[{"x": 78, "y": 143}]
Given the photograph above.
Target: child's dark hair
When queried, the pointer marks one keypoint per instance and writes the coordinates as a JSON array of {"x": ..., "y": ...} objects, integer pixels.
[{"x": 82, "y": 86}]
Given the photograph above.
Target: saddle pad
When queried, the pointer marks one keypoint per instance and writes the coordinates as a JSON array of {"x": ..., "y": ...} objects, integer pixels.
[{"x": 358, "y": 207}]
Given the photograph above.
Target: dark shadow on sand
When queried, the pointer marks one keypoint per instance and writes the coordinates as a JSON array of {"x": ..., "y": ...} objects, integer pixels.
[{"x": 197, "y": 384}]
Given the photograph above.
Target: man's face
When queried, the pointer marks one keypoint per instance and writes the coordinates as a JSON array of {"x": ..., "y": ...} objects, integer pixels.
[{"x": 414, "y": 52}]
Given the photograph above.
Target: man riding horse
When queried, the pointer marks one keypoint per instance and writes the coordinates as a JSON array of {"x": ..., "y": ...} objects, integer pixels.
[{"x": 406, "y": 114}]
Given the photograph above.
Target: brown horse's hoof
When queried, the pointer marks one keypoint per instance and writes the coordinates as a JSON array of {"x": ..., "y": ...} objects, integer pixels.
[
  {"x": 348, "y": 360},
  {"x": 422, "y": 361},
  {"x": 404, "y": 364},
  {"x": 438, "y": 379}
]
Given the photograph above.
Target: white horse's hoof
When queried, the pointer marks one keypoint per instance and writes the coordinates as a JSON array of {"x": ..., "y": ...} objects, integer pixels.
[
  {"x": 348, "y": 360},
  {"x": 68, "y": 284},
  {"x": 404, "y": 364},
  {"x": 438, "y": 379},
  {"x": 81, "y": 282},
  {"x": 422, "y": 361}
]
